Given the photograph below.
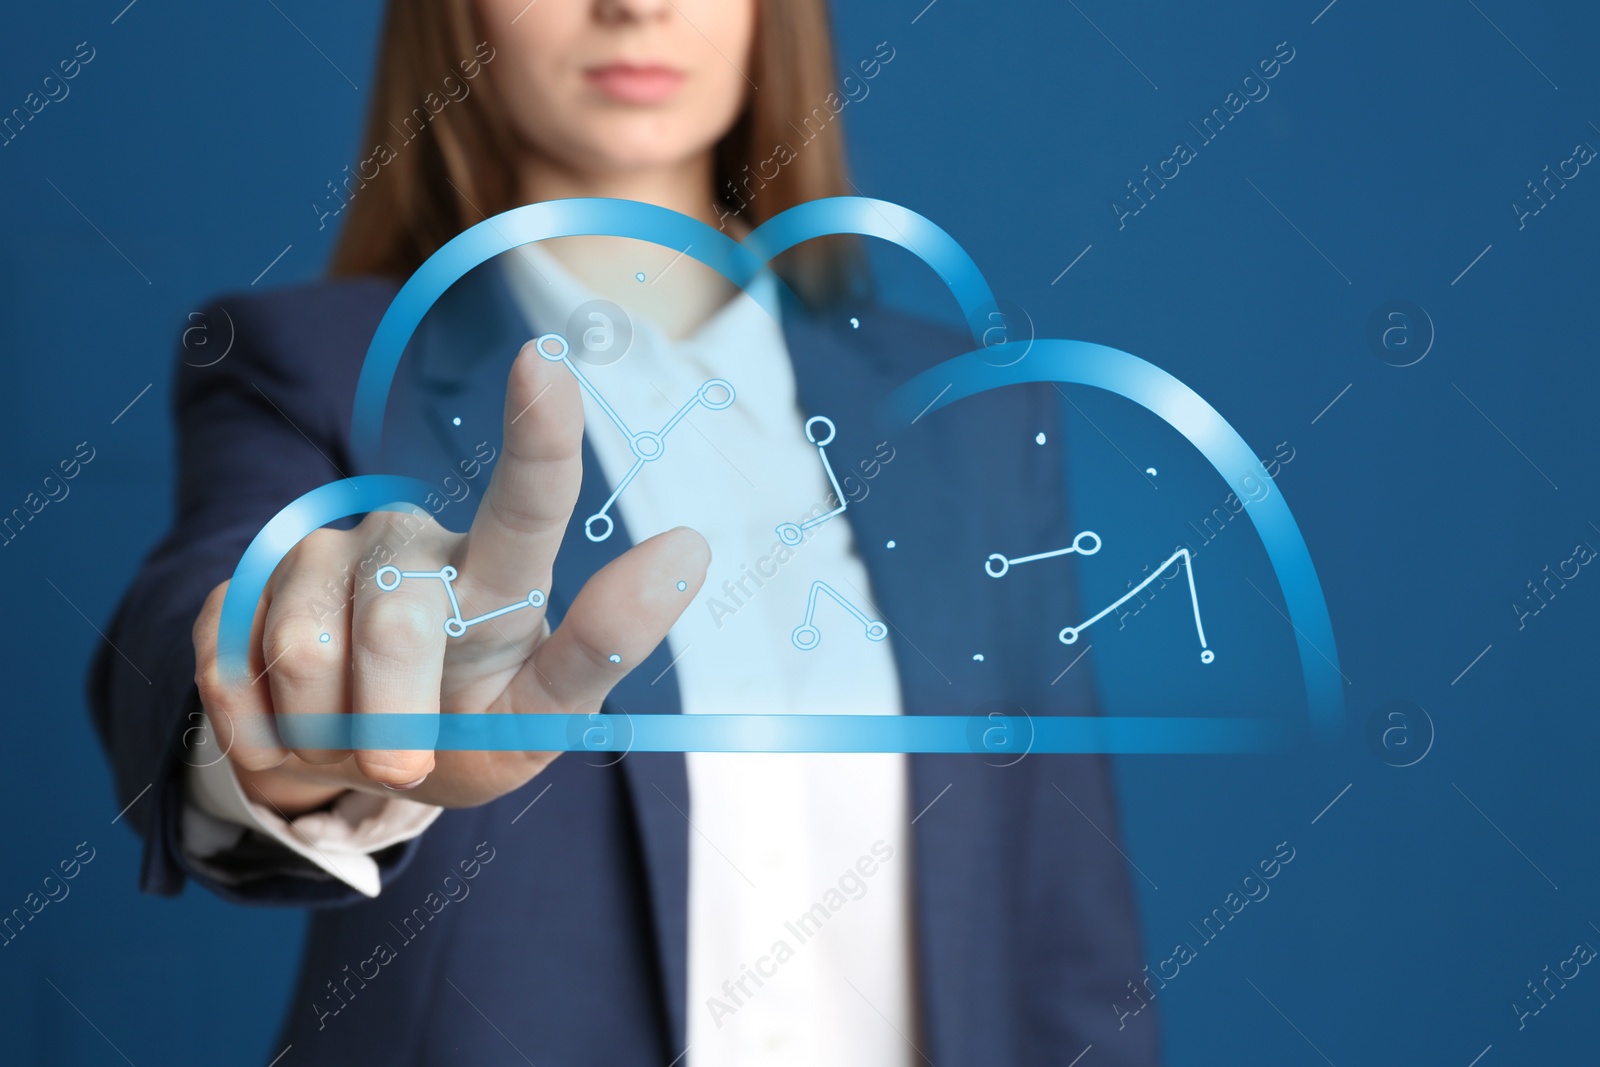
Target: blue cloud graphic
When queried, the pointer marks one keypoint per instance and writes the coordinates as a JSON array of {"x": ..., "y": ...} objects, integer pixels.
[{"x": 986, "y": 367}]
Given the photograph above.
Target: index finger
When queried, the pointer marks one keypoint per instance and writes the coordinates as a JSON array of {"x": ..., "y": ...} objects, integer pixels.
[{"x": 517, "y": 531}]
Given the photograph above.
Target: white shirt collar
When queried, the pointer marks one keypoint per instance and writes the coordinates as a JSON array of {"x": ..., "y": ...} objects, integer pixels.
[{"x": 548, "y": 295}]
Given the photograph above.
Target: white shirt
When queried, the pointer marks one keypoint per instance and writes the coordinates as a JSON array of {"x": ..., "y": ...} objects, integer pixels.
[{"x": 799, "y": 865}]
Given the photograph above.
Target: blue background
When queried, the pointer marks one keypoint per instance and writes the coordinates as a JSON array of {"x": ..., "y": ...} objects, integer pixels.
[{"x": 188, "y": 154}]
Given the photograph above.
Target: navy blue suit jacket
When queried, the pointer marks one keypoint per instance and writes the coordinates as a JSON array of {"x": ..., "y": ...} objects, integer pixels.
[{"x": 569, "y": 940}]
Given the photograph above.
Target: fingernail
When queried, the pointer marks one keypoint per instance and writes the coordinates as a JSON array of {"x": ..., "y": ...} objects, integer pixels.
[{"x": 407, "y": 786}]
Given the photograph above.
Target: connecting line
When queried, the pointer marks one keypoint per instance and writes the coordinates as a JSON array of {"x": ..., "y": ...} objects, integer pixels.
[
  {"x": 791, "y": 533},
  {"x": 389, "y": 579},
  {"x": 1069, "y": 634},
  {"x": 806, "y": 636},
  {"x": 647, "y": 446},
  {"x": 997, "y": 565}
]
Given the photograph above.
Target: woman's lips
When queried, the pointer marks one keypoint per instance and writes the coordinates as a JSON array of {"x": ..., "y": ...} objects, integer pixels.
[{"x": 630, "y": 84}]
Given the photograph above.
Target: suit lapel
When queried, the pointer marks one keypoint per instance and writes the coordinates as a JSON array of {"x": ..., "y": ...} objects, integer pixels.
[
  {"x": 912, "y": 503},
  {"x": 453, "y": 380},
  {"x": 657, "y": 782},
  {"x": 460, "y": 360}
]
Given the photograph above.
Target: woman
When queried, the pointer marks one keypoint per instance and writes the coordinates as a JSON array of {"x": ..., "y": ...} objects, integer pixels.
[{"x": 710, "y": 909}]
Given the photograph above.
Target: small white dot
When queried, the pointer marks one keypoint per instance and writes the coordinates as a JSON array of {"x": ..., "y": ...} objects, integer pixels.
[
  {"x": 1150, "y": 471},
  {"x": 456, "y": 421},
  {"x": 1039, "y": 439},
  {"x": 325, "y": 638},
  {"x": 639, "y": 277},
  {"x": 855, "y": 323},
  {"x": 890, "y": 544},
  {"x": 682, "y": 586},
  {"x": 615, "y": 658},
  {"x": 977, "y": 657}
]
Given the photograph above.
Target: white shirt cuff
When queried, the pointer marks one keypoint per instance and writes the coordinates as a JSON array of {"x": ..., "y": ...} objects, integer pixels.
[{"x": 340, "y": 841}]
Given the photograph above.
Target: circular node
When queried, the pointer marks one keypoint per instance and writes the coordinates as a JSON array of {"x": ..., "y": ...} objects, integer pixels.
[
  {"x": 805, "y": 637},
  {"x": 826, "y": 422},
  {"x": 449, "y": 573},
  {"x": 614, "y": 658},
  {"x": 1068, "y": 635},
  {"x": 552, "y": 346},
  {"x": 325, "y": 638},
  {"x": 639, "y": 277},
  {"x": 1080, "y": 542},
  {"x": 790, "y": 534},
  {"x": 682, "y": 586},
  {"x": 716, "y": 394},
  {"x": 388, "y": 578},
  {"x": 1039, "y": 440},
  {"x": 593, "y": 520},
  {"x": 855, "y": 323},
  {"x": 455, "y": 627},
  {"x": 1207, "y": 656},
  {"x": 456, "y": 421},
  {"x": 889, "y": 545},
  {"x": 989, "y": 566},
  {"x": 536, "y": 599},
  {"x": 647, "y": 445},
  {"x": 877, "y": 631}
]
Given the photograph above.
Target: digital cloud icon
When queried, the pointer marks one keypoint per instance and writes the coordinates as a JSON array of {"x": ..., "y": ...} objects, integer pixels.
[{"x": 991, "y": 364}]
